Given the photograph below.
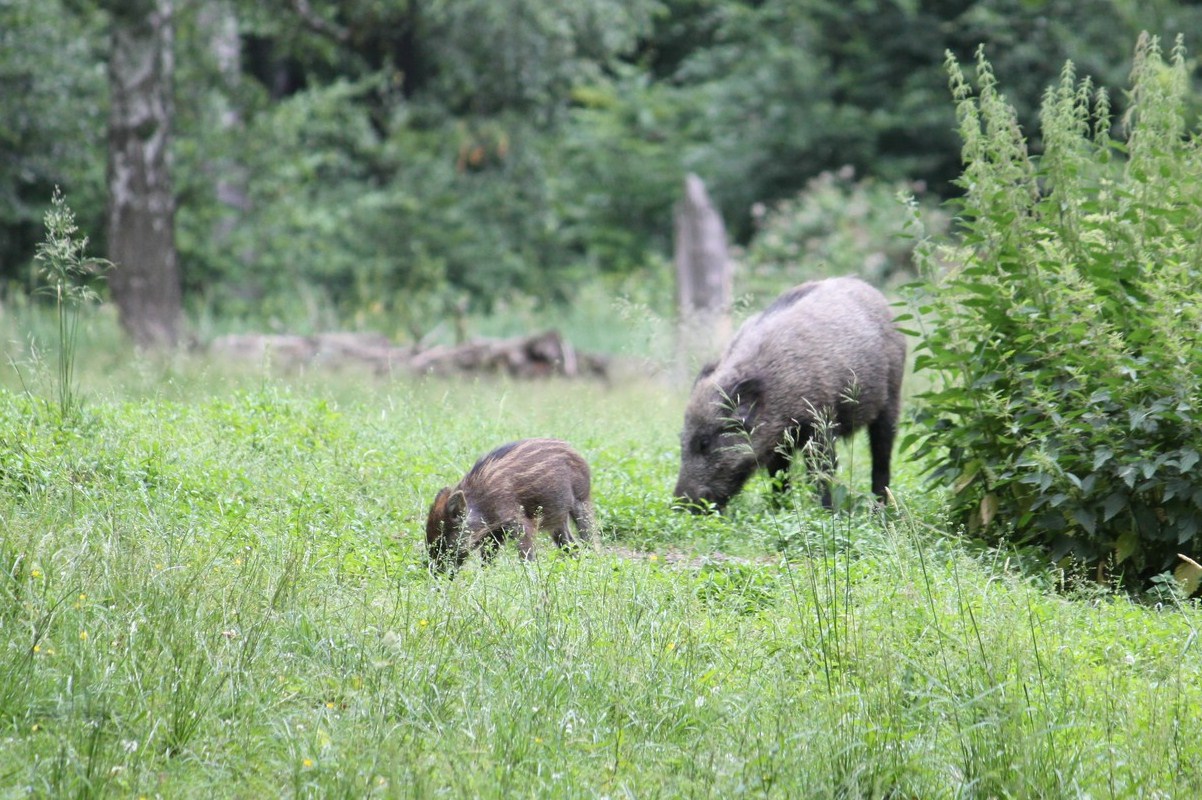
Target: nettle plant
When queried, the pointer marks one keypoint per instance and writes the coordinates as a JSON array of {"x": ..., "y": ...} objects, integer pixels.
[{"x": 1063, "y": 348}]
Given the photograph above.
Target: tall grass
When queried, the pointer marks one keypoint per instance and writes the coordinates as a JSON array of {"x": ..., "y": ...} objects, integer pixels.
[
  {"x": 213, "y": 583},
  {"x": 65, "y": 273}
]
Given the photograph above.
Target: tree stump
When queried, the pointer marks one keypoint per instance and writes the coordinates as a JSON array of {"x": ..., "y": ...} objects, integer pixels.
[{"x": 703, "y": 277}]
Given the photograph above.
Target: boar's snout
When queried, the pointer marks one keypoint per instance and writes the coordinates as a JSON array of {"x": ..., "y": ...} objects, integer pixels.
[
  {"x": 444, "y": 555},
  {"x": 695, "y": 499}
]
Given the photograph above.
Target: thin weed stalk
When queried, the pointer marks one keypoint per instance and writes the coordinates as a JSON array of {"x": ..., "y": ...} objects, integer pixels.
[
  {"x": 928, "y": 592},
  {"x": 66, "y": 270},
  {"x": 1040, "y": 673}
]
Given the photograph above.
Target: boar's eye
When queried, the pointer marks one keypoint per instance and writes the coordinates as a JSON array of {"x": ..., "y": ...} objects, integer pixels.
[{"x": 701, "y": 444}]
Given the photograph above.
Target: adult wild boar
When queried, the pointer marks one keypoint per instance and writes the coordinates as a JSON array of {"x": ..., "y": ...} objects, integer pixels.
[
  {"x": 514, "y": 491},
  {"x": 824, "y": 350}
]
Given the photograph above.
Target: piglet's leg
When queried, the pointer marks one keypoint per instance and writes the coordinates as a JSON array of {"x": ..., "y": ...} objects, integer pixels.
[
  {"x": 561, "y": 534},
  {"x": 585, "y": 518},
  {"x": 526, "y": 541},
  {"x": 564, "y": 539},
  {"x": 489, "y": 546}
]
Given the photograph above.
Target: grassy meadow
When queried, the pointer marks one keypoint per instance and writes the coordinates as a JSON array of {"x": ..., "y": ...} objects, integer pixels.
[{"x": 213, "y": 585}]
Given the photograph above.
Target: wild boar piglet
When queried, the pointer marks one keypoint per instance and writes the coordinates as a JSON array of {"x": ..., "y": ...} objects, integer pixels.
[{"x": 513, "y": 492}]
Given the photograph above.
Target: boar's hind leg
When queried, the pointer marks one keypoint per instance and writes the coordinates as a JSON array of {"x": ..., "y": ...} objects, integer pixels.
[
  {"x": 881, "y": 433},
  {"x": 586, "y": 522},
  {"x": 562, "y": 536}
]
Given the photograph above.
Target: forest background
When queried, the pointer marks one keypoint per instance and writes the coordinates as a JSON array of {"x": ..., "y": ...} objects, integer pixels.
[
  {"x": 385, "y": 164},
  {"x": 212, "y": 577}
]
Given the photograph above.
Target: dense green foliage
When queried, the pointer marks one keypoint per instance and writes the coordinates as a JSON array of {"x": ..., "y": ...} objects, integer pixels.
[
  {"x": 213, "y": 584},
  {"x": 52, "y": 108},
  {"x": 386, "y": 161},
  {"x": 1065, "y": 342},
  {"x": 837, "y": 226}
]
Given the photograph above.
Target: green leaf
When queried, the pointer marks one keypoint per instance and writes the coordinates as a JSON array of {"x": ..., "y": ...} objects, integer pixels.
[
  {"x": 1115, "y": 503},
  {"x": 1086, "y": 519},
  {"x": 966, "y": 478},
  {"x": 1126, "y": 546},
  {"x": 988, "y": 509},
  {"x": 1127, "y": 473},
  {"x": 1187, "y": 529}
]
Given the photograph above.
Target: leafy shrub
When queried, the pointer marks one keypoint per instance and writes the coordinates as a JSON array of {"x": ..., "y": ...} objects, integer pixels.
[
  {"x": 836, "y": 226},
  {"x": 1065, "y": 352}
]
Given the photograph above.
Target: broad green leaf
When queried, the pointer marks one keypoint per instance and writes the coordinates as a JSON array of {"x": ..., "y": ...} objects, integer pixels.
[{"x": 1126, "y": 546}]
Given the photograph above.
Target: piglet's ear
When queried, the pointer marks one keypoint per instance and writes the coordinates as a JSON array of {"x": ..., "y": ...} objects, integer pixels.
[{"x": 456, "y": 504}]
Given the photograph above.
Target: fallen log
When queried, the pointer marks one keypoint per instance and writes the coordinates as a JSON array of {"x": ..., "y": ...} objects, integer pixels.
[{"x": 537, "y": 355}]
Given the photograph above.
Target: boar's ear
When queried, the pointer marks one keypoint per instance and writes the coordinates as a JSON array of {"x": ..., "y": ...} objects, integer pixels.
[
  {"x": 705, "y": 372},
  {"x": 440, "y": 499},
  {"x": 744, "y": 399},
  {"x": 456, "y": 504}
]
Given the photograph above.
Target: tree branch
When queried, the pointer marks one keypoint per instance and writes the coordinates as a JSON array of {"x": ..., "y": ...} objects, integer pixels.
[{"x": 319, "y": 24}]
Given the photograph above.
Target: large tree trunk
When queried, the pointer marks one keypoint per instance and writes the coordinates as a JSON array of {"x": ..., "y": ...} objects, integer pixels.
[
  {"x": 141, "y": 207},
  {"x": 703, "y": 275}
]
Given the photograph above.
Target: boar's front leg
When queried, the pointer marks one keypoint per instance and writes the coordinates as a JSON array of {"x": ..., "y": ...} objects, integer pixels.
[
  {"x": 777, "y": 467},
  {"x": 490, "y": 544},
  {"x": 822, "y": 462}
]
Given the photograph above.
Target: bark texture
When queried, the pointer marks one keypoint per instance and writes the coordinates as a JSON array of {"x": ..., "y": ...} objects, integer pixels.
[
  {"x": 145, "y": 282},
  {"x": 703, "y": 274},
  {"x": 539, "y": 355}
]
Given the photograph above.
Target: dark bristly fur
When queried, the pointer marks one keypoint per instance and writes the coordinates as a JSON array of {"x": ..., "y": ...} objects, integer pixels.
[
  {"x": 513, "y": 491},
  {"x": 822, "y": 350}
]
